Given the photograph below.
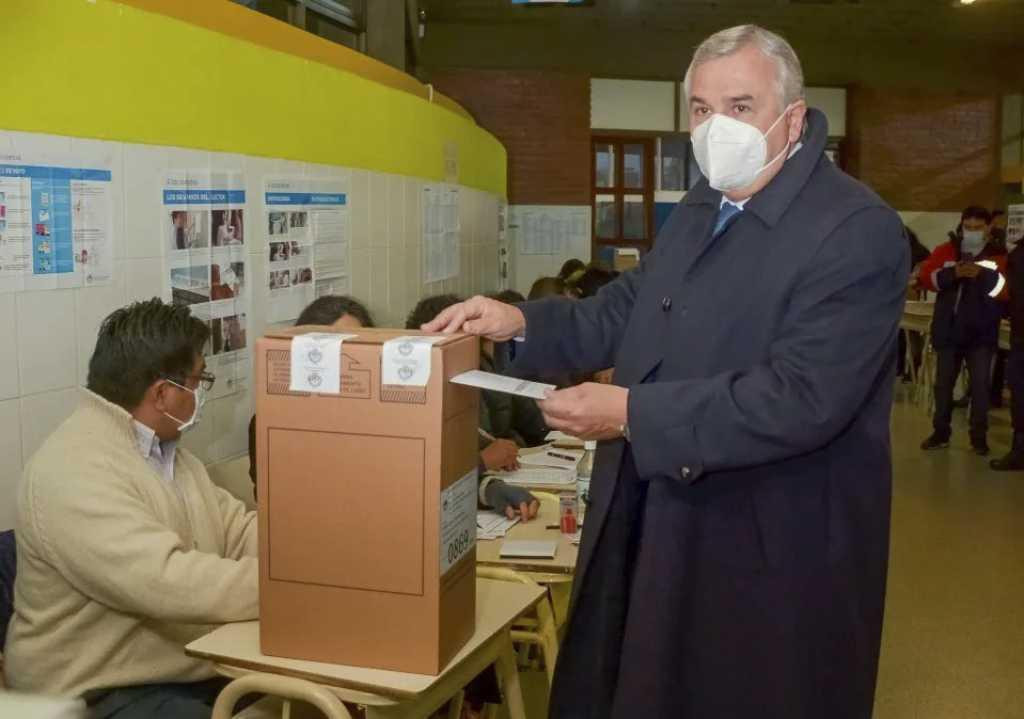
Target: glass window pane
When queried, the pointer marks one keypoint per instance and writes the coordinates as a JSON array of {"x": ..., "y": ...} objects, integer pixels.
[
  {"x": 674, "y": 154},
  {"x": 694, "y": 174},
  {"x": 606, "y": 217},
  {"x": 634, "y": 225},
  {"x": 604, "y": 165},
  {"x": 633, "y": 166}
]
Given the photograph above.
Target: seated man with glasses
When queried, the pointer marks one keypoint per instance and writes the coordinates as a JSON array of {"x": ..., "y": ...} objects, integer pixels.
[{"x": 126, "y": 550}]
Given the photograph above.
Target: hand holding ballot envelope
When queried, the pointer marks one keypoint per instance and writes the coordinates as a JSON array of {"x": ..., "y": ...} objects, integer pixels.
[{"x": 587, "y": 411}]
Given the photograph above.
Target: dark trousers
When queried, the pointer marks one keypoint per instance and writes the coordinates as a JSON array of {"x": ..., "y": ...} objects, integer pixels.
[
  {"x": 1015, "y": 378},
  {"x": 947, "y": 370},
  {"x": 162, "y": 701},
  {"x": 999, "y": 376}
]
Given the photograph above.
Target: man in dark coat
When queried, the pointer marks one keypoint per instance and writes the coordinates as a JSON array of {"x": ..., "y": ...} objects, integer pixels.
[
  {"x": 1014, "y": 459},
  {"x": 734, "y": 557}
]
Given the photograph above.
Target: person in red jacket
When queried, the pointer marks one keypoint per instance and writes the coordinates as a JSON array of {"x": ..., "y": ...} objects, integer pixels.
[{"x": 969, "y": 275}]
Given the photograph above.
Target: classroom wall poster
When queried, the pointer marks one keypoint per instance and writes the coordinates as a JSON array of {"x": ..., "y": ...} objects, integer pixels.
[
  {"x": 55, "y": 226},
  {"x": 1014, "y": 224},
  {"x": 308, "y": 248},
  {"x": 441, "y": 255},
  {"x": 205, "y": 232}
]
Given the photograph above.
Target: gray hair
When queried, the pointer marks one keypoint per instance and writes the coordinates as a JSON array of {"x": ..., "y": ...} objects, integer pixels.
[{"x": 789, "y": 74}]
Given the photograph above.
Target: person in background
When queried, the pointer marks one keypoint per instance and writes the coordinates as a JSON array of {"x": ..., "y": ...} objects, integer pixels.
[
  {"x": 587, "y": 283},
  {"x": 509, "y": 297},
  {"x": 1014, "y": 459},
  {"x": 547, "y": 287},
  {"x": 997, "y": 231},
  {"x": 569, "y": 267},
  {"x": 507, "y": 422},
  {"x": 340, "y": 313},
  {"x": 918, "y": 254},
  {"x": 126, "y": 550},
  {"x": 968, "y": 274}
]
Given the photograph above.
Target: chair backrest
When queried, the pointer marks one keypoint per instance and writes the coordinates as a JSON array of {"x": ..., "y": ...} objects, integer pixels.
[{"x": 8, "y": 568}]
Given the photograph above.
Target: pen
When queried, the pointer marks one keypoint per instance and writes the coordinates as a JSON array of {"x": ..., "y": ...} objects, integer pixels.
[
  {"x": 561, "y": 456},
  {"x": 485, "y": 434}
]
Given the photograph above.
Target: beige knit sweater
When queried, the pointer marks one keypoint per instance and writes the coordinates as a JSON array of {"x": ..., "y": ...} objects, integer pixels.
[{"x": 115, "y": 572}]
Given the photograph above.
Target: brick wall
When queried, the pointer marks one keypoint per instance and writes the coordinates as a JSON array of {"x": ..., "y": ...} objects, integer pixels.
[
  {"x": 925, "y": 151},
  {"x": 542, "y": 118}
]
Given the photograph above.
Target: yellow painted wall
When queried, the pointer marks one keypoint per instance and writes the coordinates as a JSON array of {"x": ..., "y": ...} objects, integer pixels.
[{"x": 163, "y": 75}]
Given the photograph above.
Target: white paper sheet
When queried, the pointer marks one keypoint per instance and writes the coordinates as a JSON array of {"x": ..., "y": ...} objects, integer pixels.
[
  {"x": 500, "y": 383},
  {"x": 491, "y": 525},
  {"x": 534, "y": 549},
  {"x": 533, "y": 476},
  {"x": 316, "y": 362}
]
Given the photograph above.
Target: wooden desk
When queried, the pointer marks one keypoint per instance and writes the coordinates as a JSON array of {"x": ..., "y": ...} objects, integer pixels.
[
  {"x": 564, "y": 563},
  {"x": 235, "y": 651}
]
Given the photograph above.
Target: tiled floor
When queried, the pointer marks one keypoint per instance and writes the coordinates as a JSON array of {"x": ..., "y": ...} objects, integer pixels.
[{"x": 953, "y": 644}]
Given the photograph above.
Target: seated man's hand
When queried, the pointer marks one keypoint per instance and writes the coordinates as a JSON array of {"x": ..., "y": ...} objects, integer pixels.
[
  {"x": 502, "y": 497},
  {"x": 500, "y": 454}
]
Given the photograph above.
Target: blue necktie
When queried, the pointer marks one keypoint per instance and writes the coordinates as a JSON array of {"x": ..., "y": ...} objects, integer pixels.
[{"x": 726, "y": 214}]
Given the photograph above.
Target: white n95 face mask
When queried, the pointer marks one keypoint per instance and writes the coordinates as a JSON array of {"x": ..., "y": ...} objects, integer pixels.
[
  {"x": 197, "y": 413},
  {"x": 731, "y": 153}
]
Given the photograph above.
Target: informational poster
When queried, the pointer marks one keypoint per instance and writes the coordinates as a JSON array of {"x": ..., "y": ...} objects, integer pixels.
[
  {"x": 440, "y": 232},
  {"x": 551, "y": 230},
  {"x": 308, "y": 255},
  {"x": 55, "y": 227},
  {"x": 1014, "y": 224},
  {"x": 205, "y": 233}
]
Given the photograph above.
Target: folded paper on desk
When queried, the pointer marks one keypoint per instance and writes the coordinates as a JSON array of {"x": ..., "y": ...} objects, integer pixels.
[
  {"x": 528, "y": 548},
  {"x": 499, "y": 383},
  {"x": 491, "y": 525},
  {"x": 538, "y": 475},
  {"x": 561, "y": 439}
]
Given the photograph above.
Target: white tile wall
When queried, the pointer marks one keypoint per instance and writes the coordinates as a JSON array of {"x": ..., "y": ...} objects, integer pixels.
[
  {"x": 92, "y": 305},
  {"x": 46, "y": 340},
  {"x": 54, "y": 331},
  {"x": 9, "y": 385},
  {"x": 10, "y": 461}
]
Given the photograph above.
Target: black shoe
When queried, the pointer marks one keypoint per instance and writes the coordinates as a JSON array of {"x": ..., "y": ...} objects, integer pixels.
[
  {"x": 936, "y": 441},
  {"x": 980, "y": 447},
  {"x": 1012, "y": 462},
  {"x": 1014, "y": 459}
]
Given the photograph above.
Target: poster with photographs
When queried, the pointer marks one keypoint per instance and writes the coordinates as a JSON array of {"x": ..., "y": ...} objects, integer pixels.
[
  {"x": 307, "y": 242},
  {"x": 203, "y": 213},
  {"x": 1014, "y": 224}
]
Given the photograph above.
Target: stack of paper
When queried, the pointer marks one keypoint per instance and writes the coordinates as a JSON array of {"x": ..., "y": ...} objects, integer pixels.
[
  {"x": 490, "y": 525},
  {"x": 538, "y": 475}
]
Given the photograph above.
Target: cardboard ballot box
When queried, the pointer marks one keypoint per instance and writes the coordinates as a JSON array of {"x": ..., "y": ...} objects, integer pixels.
[{"x": 367, "y": 497}]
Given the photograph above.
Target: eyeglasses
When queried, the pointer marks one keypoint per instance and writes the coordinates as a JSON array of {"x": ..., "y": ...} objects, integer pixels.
[{"x": 206, "y": 379}]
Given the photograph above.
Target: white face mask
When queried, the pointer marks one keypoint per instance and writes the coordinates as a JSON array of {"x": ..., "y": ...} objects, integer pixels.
[
  {"x": 731, "y": 153},
  {"x": 973, "y": 242},
  {"x": 197, "y": 413}
]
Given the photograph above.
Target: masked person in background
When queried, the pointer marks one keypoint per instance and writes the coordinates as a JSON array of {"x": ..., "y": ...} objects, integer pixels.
[
  {"x": 126, "y": 550},
  {"x": 968, "y": 273}
]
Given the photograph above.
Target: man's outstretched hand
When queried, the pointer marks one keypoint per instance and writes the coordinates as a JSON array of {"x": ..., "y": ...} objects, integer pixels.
[{"x": 480, "y": 316}]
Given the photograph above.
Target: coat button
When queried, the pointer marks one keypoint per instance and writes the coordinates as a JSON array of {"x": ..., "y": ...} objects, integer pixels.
[
  {"x": 685, "y": 472},
  {"x": 666, "y": 304}
]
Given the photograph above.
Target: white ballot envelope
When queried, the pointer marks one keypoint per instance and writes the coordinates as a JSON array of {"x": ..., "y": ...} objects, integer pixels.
[{"x": 500, "y": 383}]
